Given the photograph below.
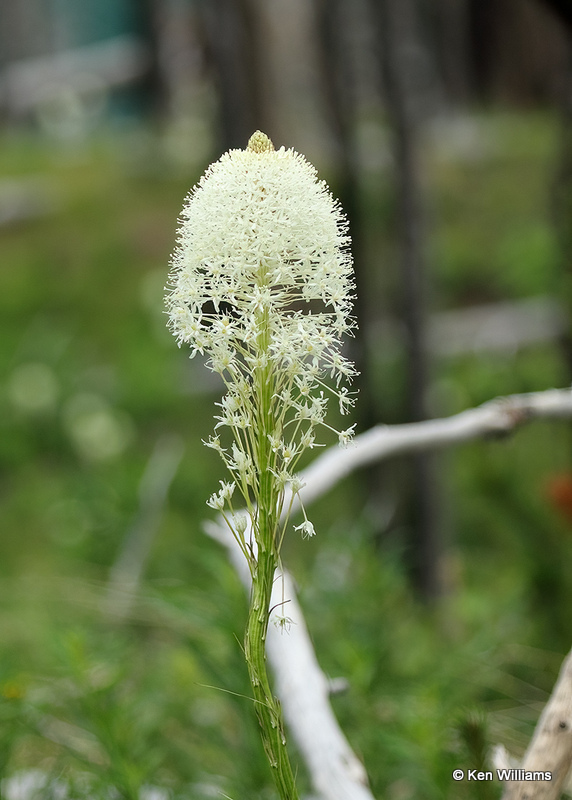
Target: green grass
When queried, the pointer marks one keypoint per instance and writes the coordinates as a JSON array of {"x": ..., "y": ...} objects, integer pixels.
[{"x": 90, "y": 380}]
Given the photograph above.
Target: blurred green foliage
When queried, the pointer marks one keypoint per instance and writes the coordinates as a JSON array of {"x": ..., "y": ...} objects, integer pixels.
[{"x": 90, "y": 379}]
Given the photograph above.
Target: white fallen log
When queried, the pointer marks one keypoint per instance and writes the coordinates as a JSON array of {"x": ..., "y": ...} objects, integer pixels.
[
  {"x": 550, "y": 749},
  {"x": 497, "y": 327},
  {"x": 302, "y": 687},
  {"x": 500, "y": 327},
  {"x": 337, "y": 773}
]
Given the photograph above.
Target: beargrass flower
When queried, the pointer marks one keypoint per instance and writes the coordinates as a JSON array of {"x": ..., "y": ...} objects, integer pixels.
[{"x": 261, "y": 284}]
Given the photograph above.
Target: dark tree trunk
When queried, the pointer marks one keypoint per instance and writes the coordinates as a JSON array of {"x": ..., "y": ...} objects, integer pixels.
[
  {"x": 339, "y": 89},
  {"x": 562, "y": 9},
  {"x": 401, "y": 59},
  {"x": 518, "y": 48},
  {"x": 563, "y": 204},
  {"x": 232, "y": 44},
  {"x": 451, "y": 39},
  {"x": 152, "y": 85},
  {"x": 339, "y": 94}
]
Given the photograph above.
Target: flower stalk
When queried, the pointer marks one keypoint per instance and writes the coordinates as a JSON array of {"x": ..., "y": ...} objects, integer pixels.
[{"x": 260, "y": 284}]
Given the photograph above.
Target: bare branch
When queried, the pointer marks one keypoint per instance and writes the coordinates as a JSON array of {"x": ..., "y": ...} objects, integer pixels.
[
  {"x": 494, "y": 418},
  {"x": 550, "y": 749}
]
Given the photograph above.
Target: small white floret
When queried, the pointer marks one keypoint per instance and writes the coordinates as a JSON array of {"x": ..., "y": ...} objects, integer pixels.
[{"x": 306, "y": 528}]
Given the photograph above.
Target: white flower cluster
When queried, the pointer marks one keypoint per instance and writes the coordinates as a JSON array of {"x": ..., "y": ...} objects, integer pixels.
[{"x": 261, "y": 283}]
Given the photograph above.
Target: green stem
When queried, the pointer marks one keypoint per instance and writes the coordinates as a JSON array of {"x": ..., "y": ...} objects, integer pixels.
[
  {"x": 268, "y": 709},
  {"x": 267, "y": 706}
]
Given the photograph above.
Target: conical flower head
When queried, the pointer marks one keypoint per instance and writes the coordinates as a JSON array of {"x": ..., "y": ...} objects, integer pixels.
[{"x": 261, "y": 283}]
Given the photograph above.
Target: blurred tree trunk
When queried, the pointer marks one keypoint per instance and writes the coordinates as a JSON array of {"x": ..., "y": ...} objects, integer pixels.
[
  {"x": 153, "y": 85},
  {"x": 517, "y": 48},
  {"x": 451, "y": 34},
  {"x": 339, "y": 94},
  {"x": 563, "y": 203},
  {"x": 562, "y": 9},
  {"x": 339, "y": 90},
  {"x": 562, "y": 195},
  {"x": 402, "y": 58},
  {"x": 232, "y": 43}
]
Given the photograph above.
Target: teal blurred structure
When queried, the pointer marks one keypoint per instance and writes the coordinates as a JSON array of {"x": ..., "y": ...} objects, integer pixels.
[{"x": 67, "y": 59}]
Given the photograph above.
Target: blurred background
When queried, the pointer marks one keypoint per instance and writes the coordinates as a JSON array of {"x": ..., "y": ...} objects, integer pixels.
[{"x": 439, "y": 586}]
